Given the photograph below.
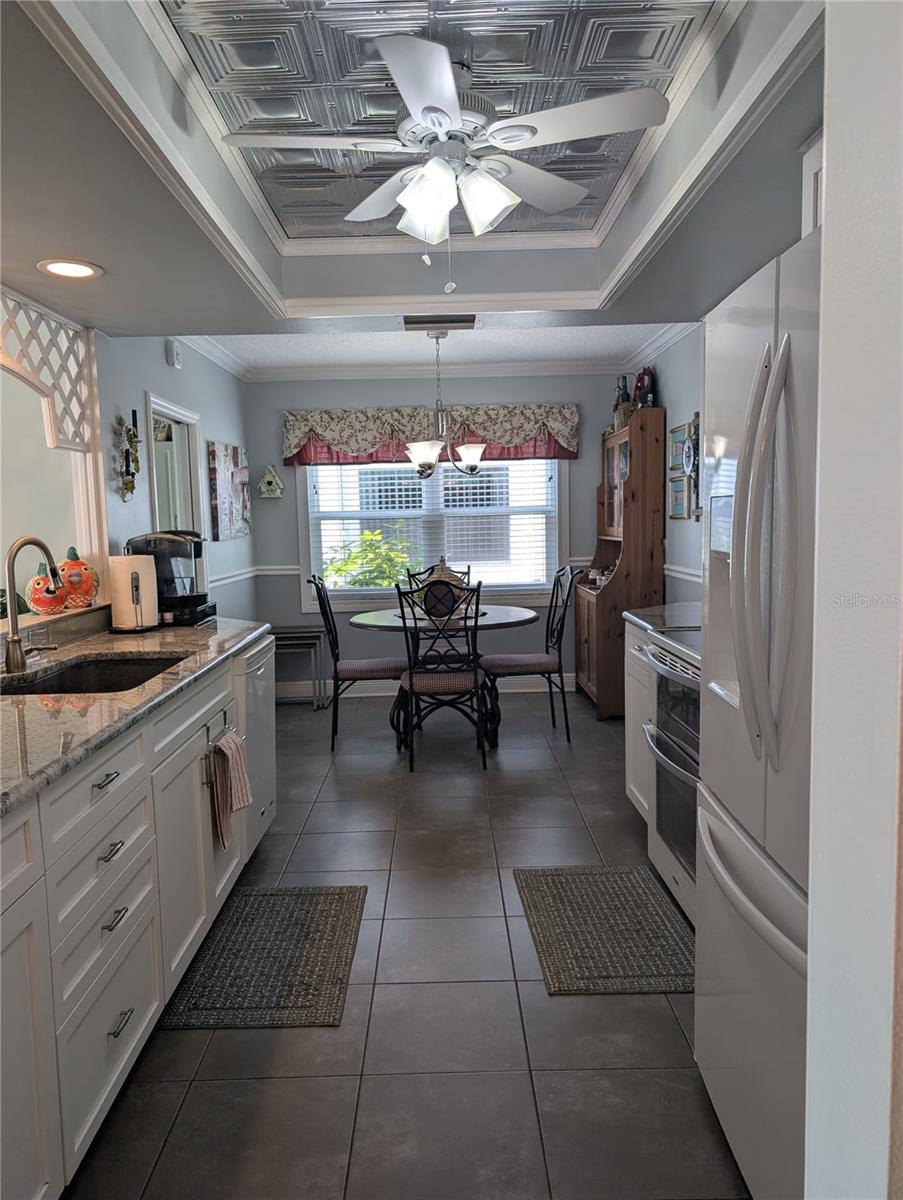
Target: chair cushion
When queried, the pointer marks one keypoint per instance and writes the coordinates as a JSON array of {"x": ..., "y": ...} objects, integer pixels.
[
  {"x": 370, "y": 668},
  {"x": 519, "y": 664},
  {"x": 443, "y": 683}
]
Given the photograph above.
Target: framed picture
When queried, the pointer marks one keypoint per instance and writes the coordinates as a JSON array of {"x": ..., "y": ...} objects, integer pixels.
[
  {"x": 230, "y": 491},
  {"x": 676, "y": 438},
  {"x": 679, "y": 498}
]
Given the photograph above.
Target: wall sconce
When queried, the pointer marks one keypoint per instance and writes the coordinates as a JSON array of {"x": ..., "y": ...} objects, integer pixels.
[{"x": 127, "y": 449}]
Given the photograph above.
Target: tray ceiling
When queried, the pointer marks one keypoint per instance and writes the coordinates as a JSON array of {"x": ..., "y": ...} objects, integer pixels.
[{"x": 309, "y": 66}]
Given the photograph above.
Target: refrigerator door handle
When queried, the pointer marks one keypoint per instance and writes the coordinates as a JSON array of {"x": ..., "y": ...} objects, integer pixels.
[
  {"x": 773, "y": 937},
  {"x": 738, "y": 549},
  {"x": 649, "y": 732},
  {"x": 752, "y": 573}
]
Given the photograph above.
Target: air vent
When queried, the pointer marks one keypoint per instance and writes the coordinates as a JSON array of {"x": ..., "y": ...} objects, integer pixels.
[
  {"x": 676, "y": 664},
  {"x": 439, "y": 324}
]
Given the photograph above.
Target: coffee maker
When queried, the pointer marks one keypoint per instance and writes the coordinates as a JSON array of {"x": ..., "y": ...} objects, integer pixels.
[{"x": 176, "y": 554}]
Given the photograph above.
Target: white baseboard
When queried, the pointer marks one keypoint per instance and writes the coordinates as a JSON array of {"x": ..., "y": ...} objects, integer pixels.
[{"x": 302, "y": 689}]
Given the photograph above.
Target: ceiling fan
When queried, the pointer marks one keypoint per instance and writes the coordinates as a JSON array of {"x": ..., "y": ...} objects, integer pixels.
[{"x": 465, "y": 142}]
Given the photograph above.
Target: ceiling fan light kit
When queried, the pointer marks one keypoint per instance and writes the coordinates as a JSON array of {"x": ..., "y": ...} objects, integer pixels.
[{"x": 459, "y": 128}]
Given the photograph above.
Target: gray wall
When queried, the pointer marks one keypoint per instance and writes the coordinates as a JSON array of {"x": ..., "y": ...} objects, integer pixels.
[
  {"x": 127, "y": 368},
  {"x": 679, "y": 384},
  {"x": 275, "y": 521}
]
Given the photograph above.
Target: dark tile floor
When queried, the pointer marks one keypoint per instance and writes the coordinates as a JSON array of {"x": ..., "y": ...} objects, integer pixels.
[{"x": 454, "y": 1076}]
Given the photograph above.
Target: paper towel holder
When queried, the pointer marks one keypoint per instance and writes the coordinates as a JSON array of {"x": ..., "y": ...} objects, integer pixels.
[{"x": 133, "y": 609}]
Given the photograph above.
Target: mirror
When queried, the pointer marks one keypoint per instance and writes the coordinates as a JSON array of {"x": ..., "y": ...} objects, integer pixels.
[
  {"x": 39, "y": 491},
  {"x": 172, "y": 473}
]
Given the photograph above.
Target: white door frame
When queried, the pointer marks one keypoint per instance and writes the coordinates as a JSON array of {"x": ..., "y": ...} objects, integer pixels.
[{"x": 157, "y": 406}]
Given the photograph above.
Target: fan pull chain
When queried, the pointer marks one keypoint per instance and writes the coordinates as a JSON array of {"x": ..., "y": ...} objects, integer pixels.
[
  {"x": 425, "y": 256},
  {"x": 451, "y": 285}
]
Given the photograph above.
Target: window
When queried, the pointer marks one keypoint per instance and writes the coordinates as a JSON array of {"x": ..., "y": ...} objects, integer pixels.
[{"x": 368, "y": 524}]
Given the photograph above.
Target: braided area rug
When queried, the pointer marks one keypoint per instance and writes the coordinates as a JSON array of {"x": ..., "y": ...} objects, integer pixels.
[
  {"x": 274, "y": 957},
  {"x": 601, "y": 930}
]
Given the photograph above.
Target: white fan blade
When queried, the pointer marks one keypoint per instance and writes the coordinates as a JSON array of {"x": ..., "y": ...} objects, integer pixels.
[
  {"x": 316, "y": 141},
  {"x": 637, "y": 108},
  {"x": 381, "y": 202},
  {"x": 423, "y": 74},
  {"x": 545, "y": 191}
]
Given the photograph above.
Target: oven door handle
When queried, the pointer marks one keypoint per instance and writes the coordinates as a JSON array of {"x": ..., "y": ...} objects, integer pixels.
[
  {"x": 649, "y": 732},
  {"x": 668, "y": 672}
]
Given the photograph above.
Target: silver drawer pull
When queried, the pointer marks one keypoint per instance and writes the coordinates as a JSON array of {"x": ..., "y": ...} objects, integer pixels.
[
  {"x": 118, "y": 918},
  {"x": 114, "y": 849},
  {"x": 124, "y": 1018},
  {"x": 110, "y": 777},
  {"x": 263, "y": 812}
]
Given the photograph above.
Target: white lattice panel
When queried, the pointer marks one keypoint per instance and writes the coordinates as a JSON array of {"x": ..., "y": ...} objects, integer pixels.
[{"x": 53, "y": 357}]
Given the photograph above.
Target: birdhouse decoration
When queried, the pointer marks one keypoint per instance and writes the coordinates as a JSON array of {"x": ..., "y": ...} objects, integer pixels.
[{"x": 270, "y": 485}]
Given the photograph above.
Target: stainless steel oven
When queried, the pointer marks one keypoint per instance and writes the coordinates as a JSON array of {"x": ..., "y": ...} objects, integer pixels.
[{"x": 673, "y": 741}]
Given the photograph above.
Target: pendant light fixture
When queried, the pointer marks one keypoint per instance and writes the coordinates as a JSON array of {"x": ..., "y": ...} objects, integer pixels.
[{"x": 425, "y": 455}]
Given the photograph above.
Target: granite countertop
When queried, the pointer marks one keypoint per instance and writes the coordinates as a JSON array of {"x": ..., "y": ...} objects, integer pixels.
[
  {"x": 43, "y": 737},
  {"x": 686, "y": 614}
]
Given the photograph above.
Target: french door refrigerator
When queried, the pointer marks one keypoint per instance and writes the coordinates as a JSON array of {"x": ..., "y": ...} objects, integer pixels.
[{"x": 761, "y": 390}]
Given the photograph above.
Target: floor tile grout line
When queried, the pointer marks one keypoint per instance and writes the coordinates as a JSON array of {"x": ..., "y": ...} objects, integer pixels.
[{"x": 523, "y": 1029}]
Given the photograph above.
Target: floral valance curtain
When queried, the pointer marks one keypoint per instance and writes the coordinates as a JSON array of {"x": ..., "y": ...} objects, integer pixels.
[{"x": 367, "y": 435}]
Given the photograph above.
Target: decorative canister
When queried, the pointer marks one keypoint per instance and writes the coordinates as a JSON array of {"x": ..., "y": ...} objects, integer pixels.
[
  {"x": 82, "y": 581},
  {"x": 39, "y": 594}
]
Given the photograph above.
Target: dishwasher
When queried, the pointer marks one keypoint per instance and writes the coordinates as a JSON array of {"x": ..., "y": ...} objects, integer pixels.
[{"x": 254, "y": 680}]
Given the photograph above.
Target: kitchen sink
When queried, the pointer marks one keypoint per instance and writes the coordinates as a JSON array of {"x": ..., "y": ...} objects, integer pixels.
[{"x": 82, "y": 675}]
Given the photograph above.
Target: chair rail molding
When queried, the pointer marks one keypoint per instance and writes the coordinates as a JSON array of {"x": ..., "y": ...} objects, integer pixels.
[{"x": 688, "y": 574}]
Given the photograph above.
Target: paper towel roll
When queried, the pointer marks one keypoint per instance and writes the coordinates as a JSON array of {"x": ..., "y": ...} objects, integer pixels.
[{"x": 126, "y": 613}]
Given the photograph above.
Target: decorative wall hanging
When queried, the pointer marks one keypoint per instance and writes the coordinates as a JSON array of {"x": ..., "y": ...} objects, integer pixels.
[
  {"x": 690, "y": 464},
  {"x": 677, "y": 436},
  {"x": 678, "y": 498},
  {"x": 366, "y": 435},
  {"x": 129, "y": 464},
  {"x": 230, "y": 491},
  {"x": 270, "y": 485}
]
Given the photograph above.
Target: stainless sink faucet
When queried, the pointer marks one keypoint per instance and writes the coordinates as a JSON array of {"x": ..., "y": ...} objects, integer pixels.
[{"x": 15, "y": 654}]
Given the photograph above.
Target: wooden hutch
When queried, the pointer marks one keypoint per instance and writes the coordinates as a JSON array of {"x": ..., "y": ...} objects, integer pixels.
[{"x": 630, "y": 525}]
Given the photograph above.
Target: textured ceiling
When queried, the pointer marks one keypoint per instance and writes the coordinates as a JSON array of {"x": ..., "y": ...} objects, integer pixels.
[
  {"x": 611, "y": 344},
  {"x": 310, "y": 66}
]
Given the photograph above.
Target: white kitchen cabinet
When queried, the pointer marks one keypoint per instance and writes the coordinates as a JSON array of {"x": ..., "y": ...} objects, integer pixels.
[
  {"x": 180, "y": 798},
  {"x": 639, "y": 709},
  {"x": 32, "y": 1162},
  {"x": 254, "y": 673}
]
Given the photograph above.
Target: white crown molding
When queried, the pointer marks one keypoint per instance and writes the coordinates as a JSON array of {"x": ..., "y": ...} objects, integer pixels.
[
  {"x": 659, "y": 343},
  {"x": 88, "y": 58},
  {"x": 164, "y": 38},
  {"x": 688, "y": 574},
  {"x": 565, "y": 239},
  {"x": 488, "y": 370},
  {"x": 352, "y": 306},
  {"x": 210, "y": 348},
  {"x": 718, "y": 23},
  {"x": 781, "y": 67}
]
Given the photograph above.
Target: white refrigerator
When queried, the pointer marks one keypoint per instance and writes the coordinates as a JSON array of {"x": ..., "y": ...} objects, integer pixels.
[{"x": 758, "y": 489}]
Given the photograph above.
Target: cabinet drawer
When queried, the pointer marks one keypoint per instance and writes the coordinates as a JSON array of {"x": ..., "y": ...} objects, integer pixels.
[
  {"x": 101, "y": 1040},
  {"x": 187, "y": 712},
  {"x": 97, "y": 937},
  {"x": 74, "y": 804},
  {"x": 21, "y": 854},
  {"x": 81, "y": 877}
]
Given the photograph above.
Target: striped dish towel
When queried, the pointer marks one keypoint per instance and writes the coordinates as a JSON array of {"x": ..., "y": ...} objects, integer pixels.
[{"x": 231, "y": 786}]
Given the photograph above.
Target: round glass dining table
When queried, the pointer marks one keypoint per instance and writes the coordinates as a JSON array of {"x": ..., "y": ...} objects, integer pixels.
[{"x": 492, "y": 616}]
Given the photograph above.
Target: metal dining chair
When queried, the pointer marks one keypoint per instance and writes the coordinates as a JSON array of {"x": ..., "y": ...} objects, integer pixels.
[
  {"x": 348, "y": 671},
  {"x": 547, "y": 665},
  {"x": 441, "y": 626},
  {"x": 419, "y": 578}
]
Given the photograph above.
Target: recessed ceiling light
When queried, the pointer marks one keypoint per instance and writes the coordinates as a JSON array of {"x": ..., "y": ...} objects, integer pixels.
[{"x": 70, "y": 268}]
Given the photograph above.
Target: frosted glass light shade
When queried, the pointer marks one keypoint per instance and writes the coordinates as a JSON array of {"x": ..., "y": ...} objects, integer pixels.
[
  {"x": 486, "y": 201},
  {"x": 470, "y": 455},
  {"x": 433, "y": 190},
  {"x": 424, "y": 456},
  {"x": 431, "y": 229}
]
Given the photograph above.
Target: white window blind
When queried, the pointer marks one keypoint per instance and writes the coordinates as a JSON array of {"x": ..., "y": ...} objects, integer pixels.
[{"x": 369, "y": 523}]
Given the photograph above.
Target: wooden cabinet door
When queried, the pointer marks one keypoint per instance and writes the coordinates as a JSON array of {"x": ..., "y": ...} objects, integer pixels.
[
  {"x": 184, "y": 826},
  {"x": 592, "y": 665},
  {"x": 639, "y": 709},
  {"x": 32, "y": 1165}
]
